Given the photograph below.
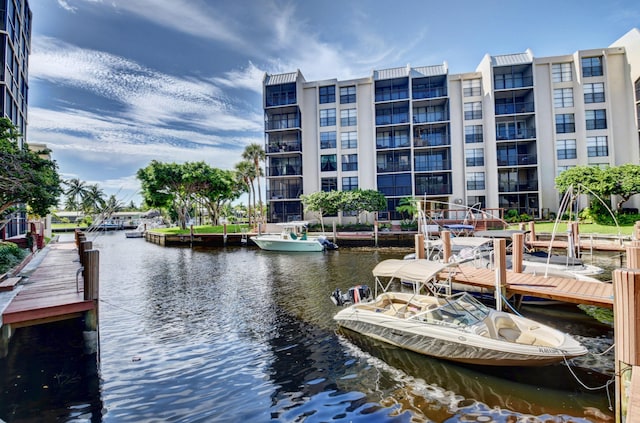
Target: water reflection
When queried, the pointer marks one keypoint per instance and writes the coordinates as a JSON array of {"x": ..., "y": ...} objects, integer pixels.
[{"x": 243, "y": 334}]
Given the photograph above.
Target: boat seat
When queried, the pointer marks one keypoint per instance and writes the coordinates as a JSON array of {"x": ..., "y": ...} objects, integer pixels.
[
  {"x": 507, "y": 328},
  {"x": 293, "y": 236}
]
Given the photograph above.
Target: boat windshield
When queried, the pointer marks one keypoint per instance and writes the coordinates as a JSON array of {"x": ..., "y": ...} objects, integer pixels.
[{"x": 458, "y": 310}]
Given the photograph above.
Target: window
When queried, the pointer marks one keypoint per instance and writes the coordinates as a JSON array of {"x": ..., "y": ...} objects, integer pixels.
[
  {"x": 565, "y": 123},
  {"x": 395, "y": 185},
  {"x": 475, "y": 180},
  {"x": 393, "y": 161},
  {"x": 471, "y": 88},
  {"x": 328, "y": 163},
  {"x": 327, "y": 117},
  {"x": 349, "y": 183},
  {"x": 329, "y": 184},
  {"x": 597, "y": 147},
  {"x": 473, "y": 110},
  {"x": 349, "y": 162},
  {"x": 473, "y": 133},
  {"x": 561, "y": 169},
  {"x": 348, "y": 117},
  {"x": 591, "y": 66},
  {"x": 328, "y": 139},
  {"x": 280, "y": 95},
  {"x": 347, "y": 95},
  {"x": 561, "y": 72},
  {"x": 474, "y": 156},
  {"x": 594, "y": 93},
  {"x": 432, "y": 160},
  {"x": 596, "y": 119},
  {"x": 566, "y": 149},
  {"x": 327, "y": 94},
  {"x": 349, "y": 139},
  {"x": 563, "y": 97}
]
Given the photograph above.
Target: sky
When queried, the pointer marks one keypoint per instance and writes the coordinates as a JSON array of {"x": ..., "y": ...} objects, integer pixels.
[{"x": 115, "y": 84}]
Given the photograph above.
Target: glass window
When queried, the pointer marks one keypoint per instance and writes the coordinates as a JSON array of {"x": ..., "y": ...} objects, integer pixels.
[
  {"x": 561, "y": 169},
  {"x": 327, "y": 117},
  {"x": 563, "y": 97},
  {"x": 395, "y": 185},
  {"x": 328, "y": 139},
  {"x": 473, "y": 110},
  {"x": 329, "y": 184},
  {"x": 349, "y": 162},
  {"x": 566, "y": 149},
  {"x": 349, "y": 139},
  {"x": 347, "y": 95},
  {"x": 471, "y": 88},
  {"x": 565, "y": 123},
  {"x": 561, "y": 72},
  {"x": 328, "y": 163},
  {"x": 327, "y": 94},
  {"x": 596, "y": 119},
  {"x": 591, "y": 66},
  {"x": 594, "y": 93},
  {"x": 349, "y": 183},
  {"x": 474, "y": 156},
  {"x": 348, "y": 117},
  {"x": 432, "y": 160},
  {"x": 280, "y": 95},
  {"x": 597, "y": 147},
  {"x": 473, "y": 133},
  {"x": 475, "y": 180}
]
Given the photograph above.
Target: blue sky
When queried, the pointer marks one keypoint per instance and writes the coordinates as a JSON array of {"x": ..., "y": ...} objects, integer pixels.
[{"x": 114, "y": 84}]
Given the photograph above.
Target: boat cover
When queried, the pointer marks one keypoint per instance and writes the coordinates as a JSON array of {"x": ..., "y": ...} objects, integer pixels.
[{"x": 411, "y": 270}]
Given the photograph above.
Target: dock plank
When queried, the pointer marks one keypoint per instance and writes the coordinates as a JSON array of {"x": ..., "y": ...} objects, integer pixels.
[{"x": 50, "y": 292}]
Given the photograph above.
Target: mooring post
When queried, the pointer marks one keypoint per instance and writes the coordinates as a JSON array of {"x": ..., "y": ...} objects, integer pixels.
[
  {"x": 375, "y": 231},
  {"x": 517, "y": 247},
  {"x": 633, "y": 255},
  {"x": 335, "y": 236},
  {"x": 636, "y": 231},
  {"x": 445, "y": 237},
  {"x": 419, "y": 245},
  {"x": 91, "y": 293},
  {"x": 532, "y": 231},
  {"x": 84, "y": 246},
  {"x": 626, "y": 317},
  {"x": 500, "y": 251},
  {"x": 224, "y": 233}
]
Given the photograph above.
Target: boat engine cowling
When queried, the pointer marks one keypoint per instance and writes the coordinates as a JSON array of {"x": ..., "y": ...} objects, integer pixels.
[
  {"x": 354, "y": 295},
  {"x": 328, "y": 245}
]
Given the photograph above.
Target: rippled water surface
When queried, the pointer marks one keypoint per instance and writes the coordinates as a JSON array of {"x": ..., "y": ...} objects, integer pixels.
[{"x": 240, "y": 334}]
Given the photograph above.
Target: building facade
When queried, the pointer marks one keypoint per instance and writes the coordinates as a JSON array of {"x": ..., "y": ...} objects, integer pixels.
[
  {"x": 496, "y": 137},
  {"x": 15, "y": 45}
]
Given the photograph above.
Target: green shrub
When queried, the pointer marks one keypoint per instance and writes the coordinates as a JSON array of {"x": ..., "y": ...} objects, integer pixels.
[{"x": 10, "y": 256}]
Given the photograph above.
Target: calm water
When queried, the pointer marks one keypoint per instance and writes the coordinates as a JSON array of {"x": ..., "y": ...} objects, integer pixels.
[{"x": 240, "y": 334}]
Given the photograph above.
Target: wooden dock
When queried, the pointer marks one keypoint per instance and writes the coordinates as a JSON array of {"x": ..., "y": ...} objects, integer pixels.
[
  {"x": 554, "y": 288},
  {"x": 54, "y": 291}
]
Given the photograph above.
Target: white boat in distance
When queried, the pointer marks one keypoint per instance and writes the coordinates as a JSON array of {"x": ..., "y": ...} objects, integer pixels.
[
  {"x": 456, "y": 327},
  {"x": 293, "y": 238}
]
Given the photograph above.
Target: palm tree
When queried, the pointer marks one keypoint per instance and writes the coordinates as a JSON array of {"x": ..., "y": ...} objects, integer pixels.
[
  {"x": 244, "y": 172},
  {"x": 75, "y": 192},
  {"x": 93, "y": 200},
  {"x": 255, "y": 154}
]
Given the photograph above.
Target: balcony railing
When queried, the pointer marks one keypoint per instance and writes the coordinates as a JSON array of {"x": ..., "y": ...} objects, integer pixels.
[
  {"x": 520, "y": 134},
  {"x": 514, "y": 108},
  {"x": 431, "y": 140},
  {"x": 284, "y": 146},
  {"x": 284, "y": 170},
  {"x": 507, "y": 82},
  {"x": 517, "y": 187},
  {"x": 272, "y": 125},
  {"x": 518, "y": 160},
  {"x": 394, "y": 167},
  {"x": 434, "y": 92}
]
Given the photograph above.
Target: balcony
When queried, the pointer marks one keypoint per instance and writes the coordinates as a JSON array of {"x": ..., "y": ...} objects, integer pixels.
[
  {"x": 284, "y": 170},
  {"x": 517, "y": 160},
  {"x": 511, "y": 81},
  {"x": 515, "y": 134},
  {"x": 514, "y": 108},
  {"x": 284, "y": 147},
  {"x": 518, "y": 187}
]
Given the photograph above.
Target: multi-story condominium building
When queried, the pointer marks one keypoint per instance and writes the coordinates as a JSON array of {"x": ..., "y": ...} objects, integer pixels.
[
  {"x": 15, "y": 45},
  {"x": 497, "y": 136}
]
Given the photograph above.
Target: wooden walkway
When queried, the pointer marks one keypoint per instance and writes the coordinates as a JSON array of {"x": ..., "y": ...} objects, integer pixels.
[
  {"x": 554, "y": 288},
  {"x": 50, "y": 293},
  {"x": 585, "y": 245}
]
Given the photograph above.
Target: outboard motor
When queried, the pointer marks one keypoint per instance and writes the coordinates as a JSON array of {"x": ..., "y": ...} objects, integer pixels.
[
  {"x": 355, "y": 295},
  {"x": 328, "y": 245}
]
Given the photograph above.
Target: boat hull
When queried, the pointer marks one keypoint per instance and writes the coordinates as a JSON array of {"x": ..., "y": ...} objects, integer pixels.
[
  {"x": 449, "y": 344},
  {"x": 279, "y": 244}
]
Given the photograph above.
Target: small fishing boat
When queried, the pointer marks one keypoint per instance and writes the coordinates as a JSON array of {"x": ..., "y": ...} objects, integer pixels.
[
  {"x": 293, "y": 238},
  {"x": 453, "y": 327}
]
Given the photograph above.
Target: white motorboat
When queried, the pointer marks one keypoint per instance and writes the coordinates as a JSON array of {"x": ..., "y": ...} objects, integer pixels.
[
  {"x": 456, "y": 327},
  {"x": 134, "y": 234},
  {"x": 293, "y": 237}
]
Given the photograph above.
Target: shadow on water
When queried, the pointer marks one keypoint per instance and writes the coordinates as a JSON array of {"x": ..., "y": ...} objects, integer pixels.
[{"x": 240, "y": 334}]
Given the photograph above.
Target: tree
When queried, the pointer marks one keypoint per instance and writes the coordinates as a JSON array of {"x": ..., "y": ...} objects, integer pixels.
[
  {"x": 245, "y": 172},
  {"x": 256, "y": 154},
  {"x": 26, "y": 177},
  {"x": 75, "y": 192},
  {"x": 361, "y": 201},
  {"x": 93, "y": 200},
  {"x": 623, "y": 181},
  {"x": 323, "y": 203}
]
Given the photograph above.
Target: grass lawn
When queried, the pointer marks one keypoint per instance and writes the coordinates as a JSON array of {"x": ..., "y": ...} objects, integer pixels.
[{"x": 585, "y": 228}]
